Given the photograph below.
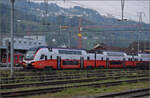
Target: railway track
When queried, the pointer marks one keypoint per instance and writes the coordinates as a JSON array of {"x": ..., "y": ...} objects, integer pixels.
[
  {"x": 54, "y": 72},
  {"x": 61, "y": 87},
  {"x": 136, "y": 93},
  {"x": 60, "y": 82},
  {"x": 62, "y": 77},
  {"x": 73, "y": 72}
]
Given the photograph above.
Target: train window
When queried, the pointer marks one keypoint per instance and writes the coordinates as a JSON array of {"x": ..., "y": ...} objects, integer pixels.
[
  {"x": 70, "y": 52},
  {"x": 51, "y": 57},
  {"x": 124, "y": 59},
  {"x": 107, "y": 59},
  {"x": 30, "y": 43},
  {"x": 115, "y": 54},
  {"x": 16, "y": 57},
  {"x": 102, "y": 58},
  {"x": 70, "y": 62},
  {"x": 115, "y": 63},
  {"x": 50, "y": 49},
  {"x": 88, "y": 58},
  {"x": 141, "y": 60},
  {"x": 42, "y": 56},
  {"x": 4, "y": 56},
  {"x": 20, "y": 57},
  {"x": 45, "y": 57}
]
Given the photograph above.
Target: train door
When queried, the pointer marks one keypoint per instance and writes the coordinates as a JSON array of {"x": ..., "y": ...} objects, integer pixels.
[
  {"x": 58, "y": 62},
  {"x": 107, "y": 62},
  {"x": 4, "y": 60},
  {"x": 81, "y": 62},
  {"x": 95, "y": 60},
  {"x": 124, "y": 60},
  {"x": 15, "y": 59}
]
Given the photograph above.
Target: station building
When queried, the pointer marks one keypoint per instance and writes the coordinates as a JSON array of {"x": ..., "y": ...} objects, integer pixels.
[{"x": 21, "y": 44}]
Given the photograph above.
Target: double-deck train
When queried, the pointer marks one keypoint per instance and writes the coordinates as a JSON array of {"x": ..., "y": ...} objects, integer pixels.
[{"x": 45, "y": 57}]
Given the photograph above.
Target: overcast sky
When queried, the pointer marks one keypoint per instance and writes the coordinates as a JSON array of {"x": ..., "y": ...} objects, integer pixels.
[{"x": 105, "y": 7}]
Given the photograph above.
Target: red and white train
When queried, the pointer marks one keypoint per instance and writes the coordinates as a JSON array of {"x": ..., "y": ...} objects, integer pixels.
[{"x": 60, "y": 58}]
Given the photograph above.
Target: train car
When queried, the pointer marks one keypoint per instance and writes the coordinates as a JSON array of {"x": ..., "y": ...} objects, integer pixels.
[
  {"x": 70, "y": 58},
  {"x": 115, "y": 59},
  {"x": 18, "y": 59},
  {"x": 61, "y": 58},
  {"x": 143, "y": 61},
  {"x": 144, "y": 57},
  {"x": 54, "y": 58}
]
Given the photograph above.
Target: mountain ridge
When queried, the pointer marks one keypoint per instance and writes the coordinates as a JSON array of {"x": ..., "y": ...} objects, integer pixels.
[{"x": 35, "y": 16}]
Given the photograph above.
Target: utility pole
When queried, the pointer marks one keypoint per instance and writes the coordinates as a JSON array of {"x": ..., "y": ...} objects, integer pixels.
[
  {"x": 0, "y": 44},
  {"x": 140, "y": 27},
  {"x": 12, "y": 36},
  {"x": 7, "y": 52}
]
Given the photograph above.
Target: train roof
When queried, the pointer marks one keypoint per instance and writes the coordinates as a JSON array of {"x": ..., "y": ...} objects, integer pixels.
[
  {"x": 38, "y": 47},
  {"x": 144, "y": 55}
]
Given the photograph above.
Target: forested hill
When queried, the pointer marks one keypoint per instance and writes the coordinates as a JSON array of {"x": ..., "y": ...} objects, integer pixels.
[{"x": 48, "y": 17}]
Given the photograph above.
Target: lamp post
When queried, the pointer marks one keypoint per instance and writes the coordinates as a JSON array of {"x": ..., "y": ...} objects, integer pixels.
[{"x": 12, "y": 36}]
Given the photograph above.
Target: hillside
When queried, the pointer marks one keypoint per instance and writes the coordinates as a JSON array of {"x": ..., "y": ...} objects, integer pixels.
[{"x": 41, "y": 17}]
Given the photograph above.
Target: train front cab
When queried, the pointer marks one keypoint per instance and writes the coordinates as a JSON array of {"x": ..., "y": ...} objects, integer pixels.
[{"x": 46, "y": 62}]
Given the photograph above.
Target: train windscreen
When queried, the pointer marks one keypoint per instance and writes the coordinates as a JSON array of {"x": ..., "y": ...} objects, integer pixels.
[{"x": 30, "y": 54}]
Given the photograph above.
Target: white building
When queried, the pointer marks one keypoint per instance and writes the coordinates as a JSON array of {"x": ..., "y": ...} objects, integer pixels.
[{"x": 26, "y": 42}]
